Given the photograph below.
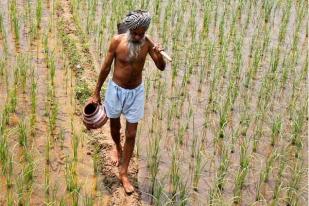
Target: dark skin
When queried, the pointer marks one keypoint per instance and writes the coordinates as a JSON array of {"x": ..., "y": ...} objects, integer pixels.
[{"x": 127, "y": 74}]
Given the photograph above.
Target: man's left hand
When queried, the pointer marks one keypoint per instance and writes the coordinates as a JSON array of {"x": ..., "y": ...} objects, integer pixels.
[{"x": 157, "y": 48}]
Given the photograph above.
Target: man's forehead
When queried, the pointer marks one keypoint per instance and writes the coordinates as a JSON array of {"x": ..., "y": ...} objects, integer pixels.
[{"x": 138, "y": 30}]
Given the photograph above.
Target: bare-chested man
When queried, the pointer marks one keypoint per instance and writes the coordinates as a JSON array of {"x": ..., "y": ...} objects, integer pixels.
[{"x": 125, "y": 92}]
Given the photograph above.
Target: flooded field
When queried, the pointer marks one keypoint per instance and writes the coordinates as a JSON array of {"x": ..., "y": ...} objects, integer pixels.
[{"x": 226, "y": 123}]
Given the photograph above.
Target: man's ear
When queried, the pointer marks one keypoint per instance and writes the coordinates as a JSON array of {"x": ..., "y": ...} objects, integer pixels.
[{"x": 122, "y": 28}]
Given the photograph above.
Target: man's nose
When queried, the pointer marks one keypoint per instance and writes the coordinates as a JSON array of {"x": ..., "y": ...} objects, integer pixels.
[{"x": 137, "y": 37}]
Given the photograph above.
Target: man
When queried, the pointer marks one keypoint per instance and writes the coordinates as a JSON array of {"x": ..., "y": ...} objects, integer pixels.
[{"x": 125, "y": 92}]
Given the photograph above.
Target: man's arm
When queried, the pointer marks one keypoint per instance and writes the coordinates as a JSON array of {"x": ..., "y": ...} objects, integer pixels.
[
  {"x": 106, "y": 67},
  {"x": 154, "y": 52}
]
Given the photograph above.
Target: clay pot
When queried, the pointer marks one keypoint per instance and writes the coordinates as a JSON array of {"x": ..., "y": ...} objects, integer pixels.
[{"x": 94, "y": 115}]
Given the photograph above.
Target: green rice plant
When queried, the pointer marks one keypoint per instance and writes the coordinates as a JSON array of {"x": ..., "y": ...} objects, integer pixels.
[
  {"x": 23, "y": 133},
  {"x": 276, "y": 130},
  {"x": 12, "y": 100},
  {"x": 222, "y": 170},
  {"x": 278, "y": 182},
  {"x": 267, "y": 8},
  {"x": 294, "y": 185},
  {"x": 28, "y": 169},
  {"x": 265, "y": 173},
  {"x": 2, "y": 31},
  {"x": 88, "y": 200},
  {"x": 53, "y": 116},
  {"x": 206, "y": 18},
  {"x": 174, "y": 173},
  {"x": 47, "y": 182},
  {"x": 242, "y": 172},
  {"x": 221, "y": 30},
  {"x": 71, "y": 176},
  {"x": 15, "y": 20},
  {"x": 2, "y": 66},
  {"x": 51, "y": 66},
  {"x": 297, "y": 127},
  {"x": 181, "y": 134},
  {"x": 199, "y": 165},
  {"x": 33, "y": 94},
  {"x": 183, "y": 194},
  {"x": 258, "y": 133},
  {"x": 10, "y": 198},
  {"x": 75, "y": 143},
  {"x": 9, "y": 171},
  {"x": 62, "y": 137},
  {"x": 95, "y": 159},
  {"x": 3, "y": 34},
  {"x": 4, "y": 153},
  {"x": 171, "y": 114},
  {"x": 158, "y": 193},
  {"x": 20, "y": 187},
  {"x": 23, "y": 65},
  {"x": 38, "y": 13},
  {"x": 47, "y": 149},
  {"x": 284, "y": 22},
  {"x": 153, "y": 158},
  {"x": 239, "y": 181}
]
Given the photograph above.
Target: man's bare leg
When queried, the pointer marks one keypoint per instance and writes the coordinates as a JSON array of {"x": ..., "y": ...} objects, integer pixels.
[
  {"x": 126, "y": 157},
  {"x": 115, "y": 132}
]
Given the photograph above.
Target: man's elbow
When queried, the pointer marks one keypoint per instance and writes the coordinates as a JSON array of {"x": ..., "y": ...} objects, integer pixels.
[{"x": 161, "y": 66}]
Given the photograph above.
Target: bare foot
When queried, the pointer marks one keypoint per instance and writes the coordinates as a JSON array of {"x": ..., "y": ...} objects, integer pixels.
[
  {"x": 116, "y": 156},
  {"x": 127, "y": 186}
]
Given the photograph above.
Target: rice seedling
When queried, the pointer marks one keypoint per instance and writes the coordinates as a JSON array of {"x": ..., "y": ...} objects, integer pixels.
[
  {"x": 71, "y": 176},
  {"x": 222, "y": 170},
  {"x": 88, "y": 201},
  {"x": 75, "y": 143},
  {"x": 265, "y": 173},
  {"x": 28, "y": 169},
  {"x": 297, "y": 126},
  {"x": 2, "y": 67},
  {"x": 15, "y": 20},
  {"x": 293, "y": 187},
  {"x": 20, "y": 187},
  {"x": 153, "y": 158},
  {"x": 11, "y": 107},
  {"x": 47, "y": 149},
  {"x": 276, "y": 130},
  {"x": 38, "y": 13},
  {"x": 199, "y": 165},
  {"x": 279, "y": 183},
  {"x": 33, "y": 94},
  {"x": 62, "y": 137},
  {"x": 183, "y": 195},
  {"x": 23, "y": 133},
  {"x": 242, "y": 172},
  {"x": 174, "y": 173},
  {"x": 23, "y": 65}
]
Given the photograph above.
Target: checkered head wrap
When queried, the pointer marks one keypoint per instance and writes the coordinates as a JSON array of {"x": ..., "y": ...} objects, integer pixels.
[{"x": 136, "y": 19}]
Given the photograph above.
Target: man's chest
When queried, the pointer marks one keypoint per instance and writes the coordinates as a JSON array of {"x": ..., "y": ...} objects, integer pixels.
[{"x": 130, "y": 54}]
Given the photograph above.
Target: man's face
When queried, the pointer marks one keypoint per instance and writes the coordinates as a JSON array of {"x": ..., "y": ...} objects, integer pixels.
[{"x": 138, "y": 34}]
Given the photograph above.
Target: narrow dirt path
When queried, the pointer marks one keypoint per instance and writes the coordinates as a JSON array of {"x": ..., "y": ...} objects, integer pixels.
[{"x": 100, "y": 142}]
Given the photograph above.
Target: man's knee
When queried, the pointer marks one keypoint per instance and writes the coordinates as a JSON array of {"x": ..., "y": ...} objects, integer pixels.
[
  {"x": 130, "y": 133},
  {"x": 115, "y": 126}
]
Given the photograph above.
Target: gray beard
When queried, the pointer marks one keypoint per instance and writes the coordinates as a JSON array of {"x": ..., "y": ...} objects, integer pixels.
[{"x": 133, "y": 47}]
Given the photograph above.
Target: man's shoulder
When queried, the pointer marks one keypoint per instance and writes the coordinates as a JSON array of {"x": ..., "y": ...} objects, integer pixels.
[
  {"x": 116, "y": 40},
  {"x": 118, "y": 37}
]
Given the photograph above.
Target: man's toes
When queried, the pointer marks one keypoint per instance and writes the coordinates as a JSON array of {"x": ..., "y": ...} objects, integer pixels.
[{"x": 129, "y": 189}]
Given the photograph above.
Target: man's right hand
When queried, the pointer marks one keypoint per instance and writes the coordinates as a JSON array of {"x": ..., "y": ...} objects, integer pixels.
[{"x": 95, "y": 99}]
